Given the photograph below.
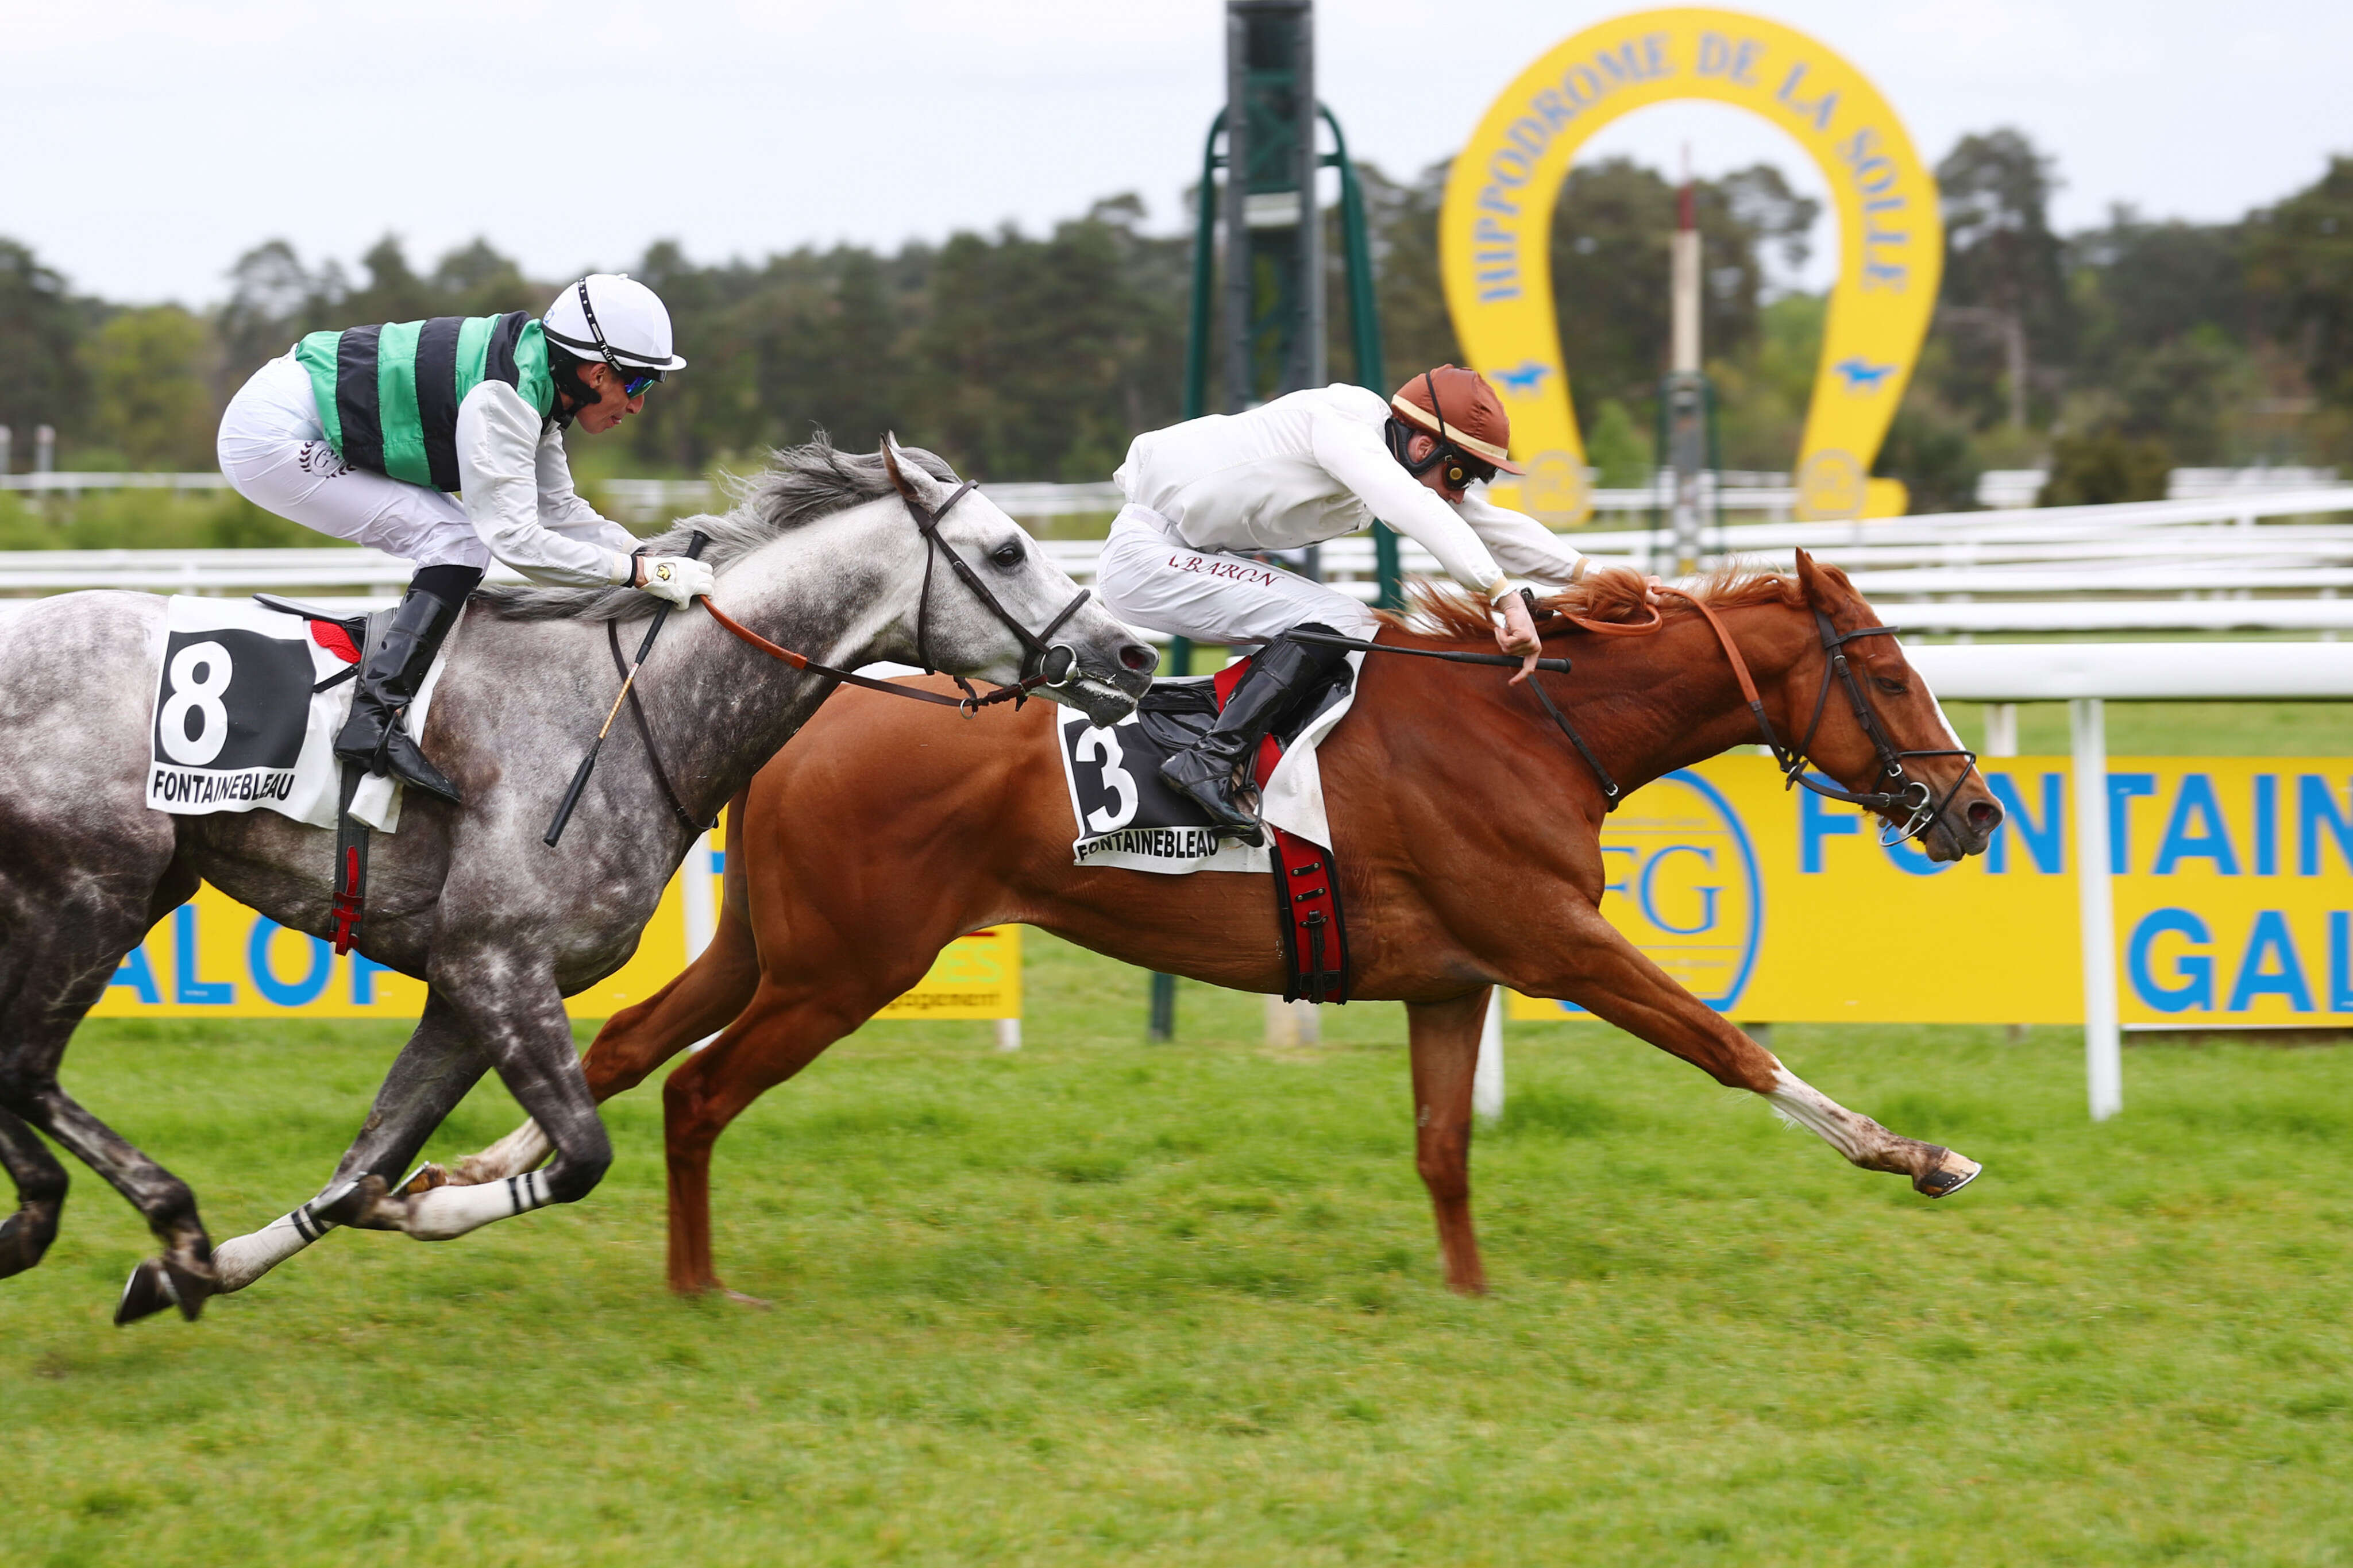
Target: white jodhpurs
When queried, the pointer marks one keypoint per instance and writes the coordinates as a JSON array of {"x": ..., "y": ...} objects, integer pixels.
[
  {"x": 274, "y": 450},
  {"x": 1151, "y": 579}
]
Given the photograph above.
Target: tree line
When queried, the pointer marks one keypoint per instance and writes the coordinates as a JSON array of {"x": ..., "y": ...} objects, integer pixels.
[{"x": 2109, "y": 354}]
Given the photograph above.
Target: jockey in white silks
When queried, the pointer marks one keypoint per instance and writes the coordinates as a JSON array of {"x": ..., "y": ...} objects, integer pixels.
[
  {"x": 1303, "y": 468},
  {"x": 365, "y": 434}
]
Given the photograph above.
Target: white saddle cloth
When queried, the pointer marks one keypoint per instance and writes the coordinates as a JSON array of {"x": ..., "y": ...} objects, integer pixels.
[
  {"x": 236, "y": 726},
  {"x": 1126, "y": 817}
]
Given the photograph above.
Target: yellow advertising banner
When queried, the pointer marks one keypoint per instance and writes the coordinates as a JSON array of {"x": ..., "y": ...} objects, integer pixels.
[
  {"x": 2233, "y": 894},
  {"x": 2233, "y": 900},
  {"x": 1495, "y": 234},
  {"x": 214, "y": 958},
  {"x": 978, "y": 976}
]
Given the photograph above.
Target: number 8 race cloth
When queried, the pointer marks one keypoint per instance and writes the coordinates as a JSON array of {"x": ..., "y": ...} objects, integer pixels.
[{"x": 241, "y": 720}]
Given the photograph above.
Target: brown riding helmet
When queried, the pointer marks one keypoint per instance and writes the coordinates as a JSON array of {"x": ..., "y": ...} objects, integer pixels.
[{"x": 1458, "y": 405}]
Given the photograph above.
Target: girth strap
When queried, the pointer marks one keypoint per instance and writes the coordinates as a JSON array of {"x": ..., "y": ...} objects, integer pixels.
[{"x": 350, "y": 864}]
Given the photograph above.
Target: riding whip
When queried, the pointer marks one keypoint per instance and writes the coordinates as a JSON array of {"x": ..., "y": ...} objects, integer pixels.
[
  {"x": 1501, "y": 660},
  {"x": 588, "y": 763}
]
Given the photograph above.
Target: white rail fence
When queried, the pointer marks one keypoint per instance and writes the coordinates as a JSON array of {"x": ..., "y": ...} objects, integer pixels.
[
  {"x": 657, "y": 500},
  {"x": 2010, "y": 488},
  {"x": 2216, "y": 564},
  {"x": 1771, "y": 494},
  {"x": 2086, "y": 676}
]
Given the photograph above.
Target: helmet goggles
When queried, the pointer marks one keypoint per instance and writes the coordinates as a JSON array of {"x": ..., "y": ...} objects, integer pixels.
[
  {"x": 1463, "y": 468},
  {"x": 634, "y": 379}
]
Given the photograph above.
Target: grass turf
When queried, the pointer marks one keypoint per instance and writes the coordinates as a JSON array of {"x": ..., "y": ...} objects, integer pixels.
[{"x": 1101, "y": 1301}]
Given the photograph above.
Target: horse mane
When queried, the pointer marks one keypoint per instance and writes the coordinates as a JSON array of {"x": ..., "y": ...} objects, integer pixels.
[
  {"x": 1613, "y": 594},
  {"x": 798, "y": 484}
]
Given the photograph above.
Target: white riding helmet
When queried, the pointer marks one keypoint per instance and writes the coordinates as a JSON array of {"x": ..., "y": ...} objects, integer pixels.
[{"x": 612, "y": 316}]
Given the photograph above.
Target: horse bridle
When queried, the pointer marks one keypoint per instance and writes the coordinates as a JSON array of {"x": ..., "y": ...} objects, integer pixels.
[
  {"x": 1913, "y": 796},
  {"x": 1056, "y": 662}
]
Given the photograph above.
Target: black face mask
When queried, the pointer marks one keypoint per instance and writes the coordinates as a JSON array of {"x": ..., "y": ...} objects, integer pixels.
[{"x": 572, "y": 394}]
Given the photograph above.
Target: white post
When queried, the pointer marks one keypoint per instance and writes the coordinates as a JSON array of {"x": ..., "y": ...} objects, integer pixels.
[
  {"x": 699, "y": 901},
  {"x": 1487, "y": 1078},
  {"x": 700, "y": 897},
  {"x": 2001, "y": 729},
  {"x": 2103, "y": 1045},
  {"x": 45, "y": 448},
  {"x": 1008, "y": 1034},
  {"x": 2001, "y": 741},
  {"x": 1290, "y": 1024}
]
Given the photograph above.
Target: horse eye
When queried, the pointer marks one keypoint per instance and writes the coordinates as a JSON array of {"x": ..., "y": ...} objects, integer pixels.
[
  {"x": 1007, "y": 555},
  {"x": 1893, "y": 688}
]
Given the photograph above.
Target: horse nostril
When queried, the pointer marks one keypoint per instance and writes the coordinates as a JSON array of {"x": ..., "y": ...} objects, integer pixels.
[
  {"x": 1139, "y": 655},
  {"x": 1985, "y": 815}
]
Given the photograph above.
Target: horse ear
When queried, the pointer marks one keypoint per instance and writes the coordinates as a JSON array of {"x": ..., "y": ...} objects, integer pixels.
[
  {"x": 1828, "y": 590},
  {"x": 1810, "y": 579},
  {"x": 891, "y": 466},
  {"x": 910, "y": 480}
]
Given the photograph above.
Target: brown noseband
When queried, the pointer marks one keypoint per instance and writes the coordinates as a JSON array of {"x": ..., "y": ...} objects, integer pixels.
[{"x": 1914, "y": 797}]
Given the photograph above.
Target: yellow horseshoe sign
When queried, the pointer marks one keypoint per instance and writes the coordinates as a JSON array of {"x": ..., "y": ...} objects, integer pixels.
[{"x": 1495, "y": 229}]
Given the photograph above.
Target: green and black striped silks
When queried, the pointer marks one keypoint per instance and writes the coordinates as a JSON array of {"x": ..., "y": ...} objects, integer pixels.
[{"x": 388, "y": 396}]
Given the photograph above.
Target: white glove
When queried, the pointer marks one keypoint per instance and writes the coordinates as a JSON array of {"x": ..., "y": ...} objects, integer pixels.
[{"x": 678, "y": 578}]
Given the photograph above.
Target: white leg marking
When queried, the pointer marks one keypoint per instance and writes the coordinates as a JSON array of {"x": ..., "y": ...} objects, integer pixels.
[
  {"x": 1865, "y": 1142},
  {"x": 449, "y": 1212},
  {"x": 242, "y": 1259},
  {"x": 1800, "y": 1104}
]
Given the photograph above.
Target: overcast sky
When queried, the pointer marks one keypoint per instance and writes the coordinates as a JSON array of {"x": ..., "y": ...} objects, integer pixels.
[{"x": 151, "y": 142}]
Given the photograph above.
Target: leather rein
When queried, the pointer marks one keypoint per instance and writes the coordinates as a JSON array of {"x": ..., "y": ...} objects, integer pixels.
[
  {"x": 1056, "y": 662},
  {"x": 1908, "y": 809}
]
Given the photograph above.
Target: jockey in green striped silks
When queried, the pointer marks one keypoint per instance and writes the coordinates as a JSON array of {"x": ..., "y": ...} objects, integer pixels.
[{"x": 442, "y": 442}]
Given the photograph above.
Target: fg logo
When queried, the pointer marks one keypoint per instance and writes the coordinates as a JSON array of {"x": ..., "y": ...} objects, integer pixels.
[{"x": 1683, "y": 885}]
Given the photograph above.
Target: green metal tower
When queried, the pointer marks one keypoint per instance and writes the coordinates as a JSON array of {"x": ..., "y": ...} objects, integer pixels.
[
  {"x": 1273, "y": 319},
  {"x": 1274, "y": 314}
]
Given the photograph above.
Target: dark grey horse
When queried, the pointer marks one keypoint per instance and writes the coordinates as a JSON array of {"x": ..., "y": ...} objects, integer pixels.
[{"x": 822, "y": 555}]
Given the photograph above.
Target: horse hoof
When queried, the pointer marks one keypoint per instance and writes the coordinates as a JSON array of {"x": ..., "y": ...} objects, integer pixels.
[
  {"x": 158, "y": 1283},
  {"x": 423, "y": 1179},
  {"x": 25, "y": 1235},
  {"x": 1948, "y": 1176},
  {"x": 350, "y": 1204},
  {"x": 147, "y": 1292}
]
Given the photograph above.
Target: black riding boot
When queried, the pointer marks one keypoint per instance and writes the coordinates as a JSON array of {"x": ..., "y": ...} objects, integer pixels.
[
  {"x": 1283, "y": 673},
  {"x": 376, "y": 736}
]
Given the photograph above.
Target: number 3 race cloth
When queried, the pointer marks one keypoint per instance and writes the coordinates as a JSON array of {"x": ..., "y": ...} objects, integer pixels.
[
  {"x": 1126, "y": 817},
  {"x": 240, "y": 720}
]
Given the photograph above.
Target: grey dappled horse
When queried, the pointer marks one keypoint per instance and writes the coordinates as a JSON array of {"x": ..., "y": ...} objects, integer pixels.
[{"x": 822, "y": 555}]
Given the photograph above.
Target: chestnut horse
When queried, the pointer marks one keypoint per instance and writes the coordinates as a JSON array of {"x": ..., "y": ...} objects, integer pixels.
[{"x": 1467, "y": 837}]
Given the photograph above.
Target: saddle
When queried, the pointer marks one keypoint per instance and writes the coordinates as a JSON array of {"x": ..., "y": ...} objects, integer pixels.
[
  {"x": 1306, "y": 890},
  {"x": 347, "y": 637}
]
